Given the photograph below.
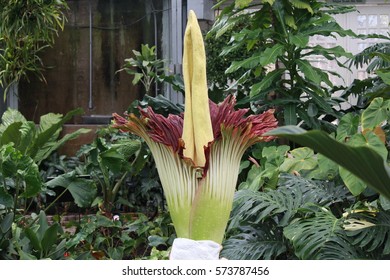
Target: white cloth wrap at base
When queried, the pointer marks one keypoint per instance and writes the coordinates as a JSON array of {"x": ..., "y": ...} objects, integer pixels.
[{"x": 188, "y": 249}]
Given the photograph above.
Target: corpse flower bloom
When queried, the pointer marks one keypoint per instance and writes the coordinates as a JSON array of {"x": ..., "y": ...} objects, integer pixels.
[{"x": 198, "y": 153}]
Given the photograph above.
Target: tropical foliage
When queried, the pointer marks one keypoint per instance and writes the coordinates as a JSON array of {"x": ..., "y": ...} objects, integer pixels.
[
  {"x": 320, "y": 207},
  {"x": 275, "y": 38},
  {"x": 319, "y": 191}
]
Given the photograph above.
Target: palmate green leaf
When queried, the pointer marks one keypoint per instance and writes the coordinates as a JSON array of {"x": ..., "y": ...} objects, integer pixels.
[
  {"x": 371, "y": 140},
  {"x": 319, "y": 192},
  {"x": 319, "y": 237},
  {"x": 373, "y": 238},
  {"x": 43, "y": 225},
  {"x": 137, "y": 77},
  {"x": 46, "y": 121},
  {"x": 290, "y": 21},
  {"x": 254, "y": 243},
  {"x": 257, "y": 206},
  {"x": 363, "y": 162},
  {"x": 20, "y": 167}
]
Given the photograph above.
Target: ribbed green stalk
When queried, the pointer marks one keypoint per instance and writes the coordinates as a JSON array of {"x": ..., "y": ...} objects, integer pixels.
[
  {"x": 213, "y": 202},
  {"x": 179, "y": 183}
]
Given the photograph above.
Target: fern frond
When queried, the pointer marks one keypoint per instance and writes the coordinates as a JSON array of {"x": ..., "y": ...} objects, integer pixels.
[
  {"x": 253, "y": 243},
  {"x": 320, "y": 236}
]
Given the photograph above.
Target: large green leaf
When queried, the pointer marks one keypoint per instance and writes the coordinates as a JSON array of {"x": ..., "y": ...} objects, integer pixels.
[
  {"x": 258, "y": 206},
  {"x": 309, "y": 71},
  {"x": 6, "y": 200},
  {"x": 290, "y": 114},
  {"x": 242, "y": 3},
  {"x": 248, "y": 63},
  {"x": 377, "y": 112},
  {"x": 10, "y": 116},
  {"x": 384, "y": 74},
  {"x": 127, "y": 147},
  {"x": 270, "y": 55},
  {"x": 48, "y": 120},
  {"x": 348, "y": 126},
  {"x": 252, "y": 243},
  {"x": 299, "y": 40},
  {"x": 337, "y": 51},
  {"x": 45, "y": 136},
  {"x": 28, "y": 131},
  {"x": 266, "y": 82},
  {"x": 363, "y": 162},
  {"x": 32, "y": 179},
  {"x": 299, "y": 159},
  {"x": 83, "y": 190},
  {"x": 50, "y": 238},
  {"x": 11, "y": 134},
  {"x": 375, "y": 236},
  {"x": 47, "y": 149},
  {"x": 319, "y": 237},
  {"x": 6, "y": 223},
  {"x": 112, "y": 160},
  {"x": 34, "y": 240},
  {"x": 353, "y": 183}
]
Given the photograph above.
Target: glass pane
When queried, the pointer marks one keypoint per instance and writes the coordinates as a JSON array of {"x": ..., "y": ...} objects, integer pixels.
[
  {"x": 372, "y": 20},
  {"x": 384, "y": 20},
  {"x": 362, "y": 20},
  {"x": 361, "y": 46},
  {"x": 362, "y": 75}
]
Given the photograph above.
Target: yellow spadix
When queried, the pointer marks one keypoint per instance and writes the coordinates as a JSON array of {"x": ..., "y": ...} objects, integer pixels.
[{"x": 197, "y": 128}]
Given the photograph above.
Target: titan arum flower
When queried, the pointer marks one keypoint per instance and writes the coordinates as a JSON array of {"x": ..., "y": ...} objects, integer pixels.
[{"x": 198, "y": 153}]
